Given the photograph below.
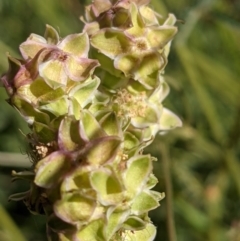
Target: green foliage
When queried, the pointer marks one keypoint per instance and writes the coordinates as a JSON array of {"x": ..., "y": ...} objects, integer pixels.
[{"x": 203, "y": 73}]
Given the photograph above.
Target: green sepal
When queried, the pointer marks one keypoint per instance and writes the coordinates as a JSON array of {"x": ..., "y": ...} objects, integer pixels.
[
  {"x": 75, "y": 44},
  {"x": 138, "y": 169},
  {"x": 83, "y": 93},
  {"x": 137, "y": 29},
  {"x": 134, "y": 223},
  {"x": 29, "y": 113},
  {"x": 58, "y": 225},
  {"x": 79, "y": 69},
  {"x": 109, "y": 189},
  {"x": 148, "y": 70},
  {"x": 152, "y": 181},
  {"x": 32, "y": 46},
  {"x": 110, "y": 124},
  {"x": 89, "y": 127},
  {"x": 51, "y": 35},
  {"x": 110, "y": 42},
  {"x": 158, "y": 37},
  {"x": 74, "y": 109},
  {"x": 53, "y": 72},
  {"x": 160, "y": 93},
  {"x": 144, "y": 202},
  {"x": 106, "y": 64},
  {"x": 51, "y": 169},
  {"x": 19, "y": 196},
  {"x": 68, "y": 135},
  {"x": 92, "y": 231},
  {"x": 24, "y": 175},
  {"x": 58, "y": 107},
  {"x": 115, "y": 219},
  {"x": 151, "y": 116},
  {"x": 44, "y": 132},
  {"x": 130, "y": 141},
  {"x": 102, "y": 150},
  {"x": 79, "y": 180},
  {"x": 41, "y": 92},
  {"x": 74, "y": 208},
  {"x": 147, "y": 234},
  {"x": 169, "y": 120}
]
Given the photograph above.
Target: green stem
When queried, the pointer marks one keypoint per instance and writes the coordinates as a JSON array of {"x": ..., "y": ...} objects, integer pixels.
[
  {"x": 169, "y": 194},
  {"x": 9, "y": 228},
  {"x": 8, "y": 159}
]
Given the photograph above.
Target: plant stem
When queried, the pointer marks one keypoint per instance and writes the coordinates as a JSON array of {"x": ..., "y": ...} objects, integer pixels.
[
  {"x": 9, "y": 227},
  {"x": 8, "y": 159},
  {"x": 169, "y": 194}
]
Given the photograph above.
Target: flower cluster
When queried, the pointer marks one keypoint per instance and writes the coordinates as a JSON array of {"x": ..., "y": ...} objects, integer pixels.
[{"x": 91, "y": 118}]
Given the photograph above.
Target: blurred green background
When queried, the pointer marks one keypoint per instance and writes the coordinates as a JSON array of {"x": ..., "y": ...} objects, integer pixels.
[{"x": 198, "y": 167}]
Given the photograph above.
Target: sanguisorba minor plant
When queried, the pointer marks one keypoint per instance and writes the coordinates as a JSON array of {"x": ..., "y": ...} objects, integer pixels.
[{"x": 93, "y": 102}]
